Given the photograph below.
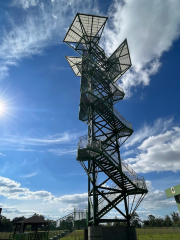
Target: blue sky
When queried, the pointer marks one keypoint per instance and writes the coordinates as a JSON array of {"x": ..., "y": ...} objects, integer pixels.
[{"x": 39, "y": 102}]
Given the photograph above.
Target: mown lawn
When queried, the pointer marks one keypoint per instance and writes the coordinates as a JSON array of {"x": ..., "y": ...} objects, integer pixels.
[
  {"x": 76, "y": 235},
  {"x": 142, "y": 234},
  {"x": 158, "y": 233}
]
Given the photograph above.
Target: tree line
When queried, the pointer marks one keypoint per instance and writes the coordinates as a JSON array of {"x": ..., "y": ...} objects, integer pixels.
[
  {"x": 152, "y": 221},
  {"x": 168, "y": 221},
  {"x": 7, "y": 225}
]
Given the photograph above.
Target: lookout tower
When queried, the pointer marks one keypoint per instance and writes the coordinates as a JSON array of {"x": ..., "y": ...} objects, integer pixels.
[{"x": 112, "y": 183}]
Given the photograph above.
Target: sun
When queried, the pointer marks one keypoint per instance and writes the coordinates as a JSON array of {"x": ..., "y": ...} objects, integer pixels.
[{"x": 2, "y": 108}]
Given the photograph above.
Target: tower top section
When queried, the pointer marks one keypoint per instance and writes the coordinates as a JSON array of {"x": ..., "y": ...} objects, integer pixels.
[{"x": 85, "y": 30}]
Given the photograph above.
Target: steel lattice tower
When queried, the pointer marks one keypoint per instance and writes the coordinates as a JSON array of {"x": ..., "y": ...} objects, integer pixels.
[{"x": 111, "y": 181}]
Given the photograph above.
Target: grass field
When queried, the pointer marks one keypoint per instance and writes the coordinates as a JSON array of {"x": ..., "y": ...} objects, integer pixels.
[
  {"x": 142, "y": 234},
  {"x": 5, "y": 235},
  {"x": 158, "y": 233}
]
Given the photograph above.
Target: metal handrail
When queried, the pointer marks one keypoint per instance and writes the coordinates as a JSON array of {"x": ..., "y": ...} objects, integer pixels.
[
  {"x": 126, "y": 122},
  {"x": 103, "y": 202},
  {"x": 116, "y": 113},
  {"x": 84, "y": 142}
]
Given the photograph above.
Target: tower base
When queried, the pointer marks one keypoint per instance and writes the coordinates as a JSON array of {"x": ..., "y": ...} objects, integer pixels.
[{"x": 111, "y": 233}]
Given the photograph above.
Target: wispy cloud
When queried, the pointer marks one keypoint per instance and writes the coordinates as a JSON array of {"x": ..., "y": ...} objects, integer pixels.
[
  {"x": 25, "y": 3},
  {"x": 2, "y": 155},
  {"x": 24, "y": 162},
  {"x": 57, "y": 144},
  {"x": 159, "y": 126},
  {"x": 63, "y": 151},
  {"x": 30, "y": 175},
  {"x": 150, "y": 27},
  {"x": 5, "y": 167},
  {"x": 28, "y": 141},
  {"x": 43, "y": 25}
]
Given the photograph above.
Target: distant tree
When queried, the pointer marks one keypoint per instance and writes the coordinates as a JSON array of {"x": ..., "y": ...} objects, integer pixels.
[
  {"x": 5, "y": 225},
  {"x": 108, "y": 224},
  {"x": 52, "y": 224},
  {"x": 116, "y": 224},
  {"x": 175, "y": 217},
  {"x": 38, "y": 215},
  {"x": 151, "y": 219},
  {"x": 17, "y": 219},
  {"x": 168, "y": 221},
  {"x": 177, "y": 224},
  {"x": 159, "y": 222},
  {"x": 2, "y": 217},
  {"x": 33, "y": 228},
  {"x": 135, "y": 220},
  {"x": 145, "y": 223}
]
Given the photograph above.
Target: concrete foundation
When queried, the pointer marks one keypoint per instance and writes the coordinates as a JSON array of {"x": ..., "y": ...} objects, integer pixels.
[
  {"x": 111, "y": 233},
  {"x": 95, "y": 233}
]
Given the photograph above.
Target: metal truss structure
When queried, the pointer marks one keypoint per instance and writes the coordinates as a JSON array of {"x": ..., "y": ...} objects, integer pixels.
[
  {"x": 75, "y": 220},
  {"x": 112, "y": 183}
]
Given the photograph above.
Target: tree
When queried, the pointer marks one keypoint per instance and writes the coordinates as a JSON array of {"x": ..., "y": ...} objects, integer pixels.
[
  {"x": 33, "y": 227},
  {"x": 151, "y": 219},
  {"x": 2, "y": 217},
  {"x": 116, "y": 224},
  {"x": 108, "y": 224},
  {"x": 17, "y": 219},
  {"x": 168, "y": 221},
  {"x": 135, "y": 220},
  {"x": 175, "y": 217},
  {"x": 159, "y": 222},
  {"x": 5, "y": 225},
  {"x": 146, "y": 223},
  {"x": 38, "y": 215}
]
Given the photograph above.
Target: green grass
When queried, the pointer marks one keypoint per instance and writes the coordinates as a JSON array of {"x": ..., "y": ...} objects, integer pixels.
[
  {"x": 142, "y": 234},
  {"x": 78, "y": 235},
  {"x": 5, "y": 235},
  {"x": 158, "y": 233}
]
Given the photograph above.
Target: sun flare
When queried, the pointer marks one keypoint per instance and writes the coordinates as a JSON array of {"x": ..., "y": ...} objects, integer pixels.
[{"x": 2, "y": 108}]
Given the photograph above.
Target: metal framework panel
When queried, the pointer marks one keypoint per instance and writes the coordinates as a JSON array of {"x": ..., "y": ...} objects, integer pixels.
[
  {"x": 76, "y": 64},
  {"x": 119, "y": 61},
  {"x": 84, "y": 28}
]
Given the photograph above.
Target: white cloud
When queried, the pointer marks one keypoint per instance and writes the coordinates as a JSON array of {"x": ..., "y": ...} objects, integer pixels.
[
  {"x": 50, "y": 144},
  {"x": 29, "y": 175},
  {"x": 45, "y": 203},
  {"x": 156, "y": 199},
  {"x": 150, "y": 28},
  {"x": 25, "y": 3},
  {"x": 22, "y": 143},
  {"x": 8, "y": 210},
  {"x": 63, "y": 151},
  {"x": 5, "y": 167},
  {"x": 158, "y": 153},
  {"x": 24, "y": 162},
  {"x": 75, "y": 198},
  {"x": 42, "y": 26},
  {"x": 159, "y": 126},
  {"x": 13, "y": 190}
]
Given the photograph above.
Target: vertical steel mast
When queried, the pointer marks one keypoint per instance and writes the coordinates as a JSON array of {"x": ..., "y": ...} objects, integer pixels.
[{"x": 112, "y": 183}]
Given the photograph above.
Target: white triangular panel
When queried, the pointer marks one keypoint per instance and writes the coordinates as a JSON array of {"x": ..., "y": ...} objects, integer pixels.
[{"x": 76, "y": 64}]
